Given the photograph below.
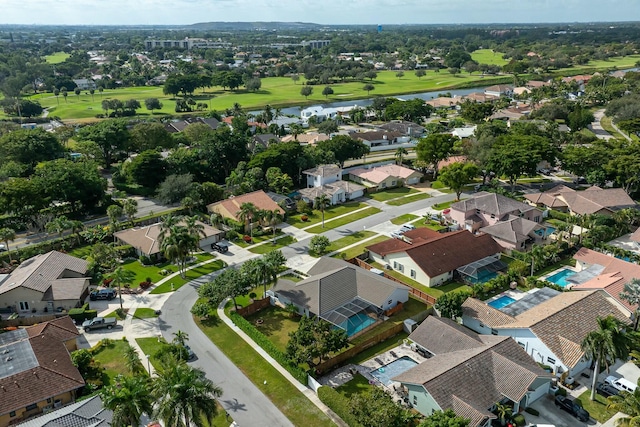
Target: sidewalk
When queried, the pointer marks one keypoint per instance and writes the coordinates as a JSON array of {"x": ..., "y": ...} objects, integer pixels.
[{"x": 310, "y": 394}]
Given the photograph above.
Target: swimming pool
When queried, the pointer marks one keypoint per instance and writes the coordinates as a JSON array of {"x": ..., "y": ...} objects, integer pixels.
[
  {"x": 560, "y": 277},
  {"x": 545, "y": 232},
  {"x": 503, "y": 301},
  {"x": 356, "y": 323},
  {"x": 393, "y": 369}
]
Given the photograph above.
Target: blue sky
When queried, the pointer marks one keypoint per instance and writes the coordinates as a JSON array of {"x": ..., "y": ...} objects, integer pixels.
[{"x": 132, "y": 12}]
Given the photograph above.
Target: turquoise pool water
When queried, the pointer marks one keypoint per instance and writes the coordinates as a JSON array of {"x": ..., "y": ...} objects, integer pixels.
[
  {"x": 356, "y": 323},
  {"x": 560, "y": 278},
  {"x": 503, "y": 301},
  {"x": 483, "y": 277},
  {"x": 545, "y": 232},
  {"x": 385, "y": 373}
]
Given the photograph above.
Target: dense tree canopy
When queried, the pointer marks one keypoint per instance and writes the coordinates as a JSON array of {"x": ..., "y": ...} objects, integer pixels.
[{"x": 29, "y": 147}]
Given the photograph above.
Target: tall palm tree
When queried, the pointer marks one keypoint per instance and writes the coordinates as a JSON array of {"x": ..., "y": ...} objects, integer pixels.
[
  {"x": 246, "y": 214},
  {"x": 130, "y": 208},
  {"x": 321, "y": 203},
  {"x": 129, "y": 399},
  {"x": 400, "y": 153},
  {"x": 631, "y": 294},
  {"x": 114, "y": 212},
  {"x": 178, "y": 245},
  {"x": 606, "y": 344},
  {"x": 7, "y": 235},
  {"x": 537, "y": 256},
  {"x": 194, "y": 226},
  {"x": 58, "y": 225},
  {"x": 122, "y": 276},
  {"x": 273, "y": 218},
  {"x": 180, "y": 337},
  {"x": 184, "y": 396},
  {"x": 132, "y": 359},
  {"x": 629, "y": 404},
  {"x": 216, "y": 219},
  {"x": 166, "y": 223},
  {"x": 76, "y": 227}
]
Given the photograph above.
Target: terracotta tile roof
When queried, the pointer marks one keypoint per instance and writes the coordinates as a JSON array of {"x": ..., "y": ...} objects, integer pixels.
[
  {"x": 486, "y": 314},
  {"x": 451, "y": 160},
  {"x": 306, "y": 138},
  {"x": 38, "y": 273},
  {"x": 416, "y": 236},
  {"x": 379, "y": 174},
  {"x": 491, "y": 203},
  {"x": 591, "y": 200},
  {"x": 229, "y": 208},
  {"x": 635, "y": 236},
  {"x": 61, "y": 328},
  {"x": 146, "y": 239},
  {"x": 52, "y": 374},
  {"x": 469, "y": 378},
  {"x": 86, "y": 413},
  {"x": 444, "y": 101}
]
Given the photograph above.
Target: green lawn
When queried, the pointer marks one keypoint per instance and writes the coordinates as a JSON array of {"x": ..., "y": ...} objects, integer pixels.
[
  {"x": 293, "y": 404},
  {"x": 276, "y": 325},
  {"x": 597, "y": 408},
  {"x": 392, "y": 193},
  {"x": 57, "y": 57},
  {"x": 346, "y": 241},
  {"x": 403, "y": 219},
  {"x": 359, "y": 249},
  {"x": 145, "y": 313},
  {"x": 332, "y": 212},
  {"x": 408, "y": 199},
  {"x": 150, "y": 346},
  {"x": 344, "y": 220},
  {"x": 256, "y": 239},
  {"x": 268, "y": 247},
  {"x": 81, "y": 251},
  {"x": 443, "y": 206},
  {"x": 114, "y": 313},
  {"x": 178, "y": 281},
  {"x": 110, "y": 357},
  {"x": 489, "y": 57},
  {"x": 358, "y": 384},
  {"x": 153, "y": 271}
]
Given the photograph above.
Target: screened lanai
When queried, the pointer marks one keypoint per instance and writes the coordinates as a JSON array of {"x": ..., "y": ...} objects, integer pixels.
[
  {"x": 353, "y": 316},
  {"x": 482, "y": 270}
]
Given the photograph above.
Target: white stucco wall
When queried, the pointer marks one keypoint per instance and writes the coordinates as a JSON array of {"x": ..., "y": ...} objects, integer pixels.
[{"x": 404, "y": 264}]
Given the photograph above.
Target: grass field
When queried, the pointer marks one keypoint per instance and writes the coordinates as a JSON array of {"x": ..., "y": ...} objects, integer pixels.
[
  {"x": 597, "y": 409},
  {"x": 409, "y": 199},
  {"x": 346, "y": 241},
  {"x": 357, "y": 250},
  {"x": 393, "y": 193},
  {"x": 338, "y": 222},
  {"x": 403, "y": 219},
  {"x": 110, "y": 357},
  {"x": 192, "y": 274},
  {"x": 145, "y": 313},
  {"x": 489, "y": 57},
  {"x": 268, "y": 247},
  {"x": 56, "y": 58},
  {"x": 332, "y": 212}
]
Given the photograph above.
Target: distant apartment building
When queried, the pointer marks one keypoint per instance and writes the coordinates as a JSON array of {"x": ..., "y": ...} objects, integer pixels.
[
  {"x": 315, "y": 44},
  {"x": 187, "y": 43}
]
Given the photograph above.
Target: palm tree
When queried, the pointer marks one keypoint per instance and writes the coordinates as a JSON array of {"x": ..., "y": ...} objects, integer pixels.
[
  {"x": 216, "y": 219},
  {"x": 195, "y": 227},
  {"x": 166, "y": 223},
  {"x": 504, "y": 412},
  {"x": 7, "y": 235},
  {"x": 537, "y": 255},
  {"x": 184, "y": 396},
  {"x": 58, "y": 225},
  {"x": 273, "y": 218},
  {"x": 321, "y": 202},
  {"x": 177, "y": 246},
  {"x": 122, "y": 276},
  {"x": 132, "y": 359},
  {"x": 631, "y": 294},
  {"x": 130, "y": 208},
  {"x": 180, "y": 337},
  {"x": 114, "y": 212},
  {"x": 400, "y": 153},
  {"x": 128, "y": 398},
  {"x": 246, "y": 214},
  {"x": 76, "y": 227},
  {"x": 295, "y": 130},
  {"x": 606, "y": 344},
  {"x": 629, "y": 404}
]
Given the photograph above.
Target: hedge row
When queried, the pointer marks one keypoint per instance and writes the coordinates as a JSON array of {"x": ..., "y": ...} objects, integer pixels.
[
  {"x": 30, "y": 251},
  {"x": 79, "y": 315},
  {"x": 338, "y": 404},
  {"x": 268, "y": 346}
]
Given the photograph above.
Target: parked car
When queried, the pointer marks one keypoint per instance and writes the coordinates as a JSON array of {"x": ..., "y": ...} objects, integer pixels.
[
  {"x": 190, "y": 353},
  {"x": 572, "y": 407},
  {"x": 221, "y": 247},
  {"x": 621, "y": 384},
  {"x": 397, "y": 234},
  {"x": 99, "y": 323},
  {"x": 107, "y": 294},
  {"x": 407, "y": 227},
  {"x": 607, "y": 390},
  {"x": 3, "y": 248}
]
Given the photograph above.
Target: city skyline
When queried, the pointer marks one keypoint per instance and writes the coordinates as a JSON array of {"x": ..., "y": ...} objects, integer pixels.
[{"x": 390, "y": 12}]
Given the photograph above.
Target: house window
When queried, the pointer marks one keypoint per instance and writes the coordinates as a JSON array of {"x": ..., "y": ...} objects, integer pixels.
[
  {"x": 383, "y": 185},
  {"x": 493, "y": 216},
  {"x": 521, "y": 344},
  {"x": 12, "y": 413},
  {"x": 24, "y": 305},
  {"x": 551, "y": 360},
  {"x": 400, "y": 267},
  {"x": 413, "y": 274},
  {"x": 31, "y": 407},
  {"x": 48, "y": 400},
  {"x": 536, "y": 218},
  {"x": 478, "y": 211},
  {"x": 415, "y": 399},
  {"x": 395, "y": 265},
  {"x": 393, "y": 183},
  {"x": 494, "y": 332},
  {"x": 482, "y": 325}
]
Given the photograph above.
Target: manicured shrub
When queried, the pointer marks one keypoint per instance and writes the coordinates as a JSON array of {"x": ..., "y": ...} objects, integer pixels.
[
  {"x": 519, "y": 420},
  {"x": 532, "y": 411},
  {"x": 246, "y": 238}
]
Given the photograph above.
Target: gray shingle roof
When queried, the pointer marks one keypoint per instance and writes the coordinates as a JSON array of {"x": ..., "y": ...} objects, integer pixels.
[
  {"x": 86, "y": 413},
  {"x": 514, "y": 230},
  {"x": 491, "y": 203}
]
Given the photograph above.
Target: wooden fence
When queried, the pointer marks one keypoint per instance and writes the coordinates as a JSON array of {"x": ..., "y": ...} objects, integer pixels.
[
  {"x": 255, "y": 306},
  {"x": 426, "y": 298},
  {"x": 327, "y": 365},
  {"x": 28, "y": 321}
]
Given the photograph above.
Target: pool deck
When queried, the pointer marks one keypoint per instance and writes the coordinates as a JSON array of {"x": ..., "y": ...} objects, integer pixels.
[
  {"x": 512, "y": 293},
  {"x": 345, "y": 374},
  {"x": 566, "y": 267}
]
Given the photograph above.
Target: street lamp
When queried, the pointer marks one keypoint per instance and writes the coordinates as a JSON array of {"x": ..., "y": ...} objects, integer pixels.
[{"x": 148, "y": 363}]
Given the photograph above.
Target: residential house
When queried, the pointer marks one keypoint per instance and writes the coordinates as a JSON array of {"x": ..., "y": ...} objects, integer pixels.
[
  {"x": 379, "y": 138},
  {"x": 45, "y": 283},
  {"x": 444, "y": 102},
  {"x": 510, "y": 114},
  {"x": 464, "y": 132},
  {"x": 593, "y": 200},
  {"x": 310, "y": 138},
  {"x": 516, "y": 232},
  {"x": 548, "y": 324},
  {"x": 344, "y": 294},
  {"x": 85, "y": 413},
  {"x": 432, "y": 258},
  {"x": 537, "y": 84},
  {"x": 180, "y": 125},
  {"x": 410, "y": 129},
  {"x": 319, "y": 113},
  {"x": 263, "y": 140},
  {"x": 499, "y": 90},
  {"x": 480, "y": 97},
  {"x": 85, "y": 84},
  {"x": 386, "y": 176},
  {"x": 327, "y": 180},
  {"x": 36, "y": 373},
  {"x": 229, "y": 208},
  {"x": 62, "y": 328},
  {"x": 469, "y": 373},
  {"x": 146, "y": 240},
  {"x": 596, "y": 270},
  {"x": 485, "y": 209}
]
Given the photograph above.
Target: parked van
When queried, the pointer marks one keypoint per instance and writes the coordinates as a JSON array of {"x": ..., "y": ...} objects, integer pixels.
[{"x": 621, "y": 384}]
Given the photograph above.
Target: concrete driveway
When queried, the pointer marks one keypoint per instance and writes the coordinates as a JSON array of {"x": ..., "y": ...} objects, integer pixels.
[{"x": 549, "y": 414}]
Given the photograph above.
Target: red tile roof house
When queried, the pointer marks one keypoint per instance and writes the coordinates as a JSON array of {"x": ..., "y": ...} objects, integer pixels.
[
  {"x": 387, "y": 176},
  {"x": 511, "y": 223},
  {"x": 36, "y": 373},
  {"x": 548, "y": 324},
  {"x": 469, "y": 373},
  {"x": 593, "y": 200},
  {"x": 599, "y": 271},
  {"x": 229, "y": 208},
  {"x": 432, "y": 258}
]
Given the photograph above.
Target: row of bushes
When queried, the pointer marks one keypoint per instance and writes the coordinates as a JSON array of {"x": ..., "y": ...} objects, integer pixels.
[
  {"x": 338, "y": 404},
  {"x": 268, "y": 346},
  {"x": 79, "y": 315},
  {"x": 39, "y": 248}
]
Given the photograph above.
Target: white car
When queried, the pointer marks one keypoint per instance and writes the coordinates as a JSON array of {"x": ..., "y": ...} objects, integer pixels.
[
  {"x": 407, "y": 227},
  {"x": 3, "y": 248},
  {"x": 397, "y": 234}
]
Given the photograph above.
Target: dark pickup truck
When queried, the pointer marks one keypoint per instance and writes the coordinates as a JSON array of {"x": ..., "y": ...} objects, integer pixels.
[{"x": 99, "y": 323}]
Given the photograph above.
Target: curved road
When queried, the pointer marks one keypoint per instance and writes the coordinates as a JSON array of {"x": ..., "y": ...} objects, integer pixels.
[{"x": 242, "y": 399}]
